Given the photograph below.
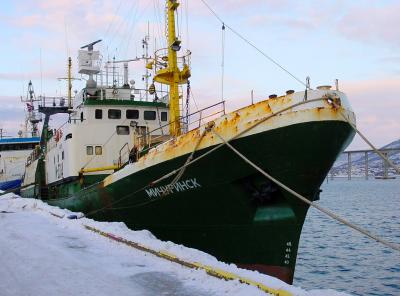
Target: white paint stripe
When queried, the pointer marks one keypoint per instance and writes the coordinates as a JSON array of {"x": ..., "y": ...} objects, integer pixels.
[{"x": 246, "y": 117}]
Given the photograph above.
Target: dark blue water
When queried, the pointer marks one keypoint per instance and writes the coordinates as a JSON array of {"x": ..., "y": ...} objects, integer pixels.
[{"x": 334, "y": 256}]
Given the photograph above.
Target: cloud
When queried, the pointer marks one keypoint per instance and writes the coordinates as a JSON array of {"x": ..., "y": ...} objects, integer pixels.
[
  {"x": 372, "y": 24},
  {"x": 295, "y": 23},
  {"x": 229, "y": 7},
  {"x": 390, "y": 60},
  {"x": 29, "y": 75},
  {"x": 11, "y": 114},
  {"x": 377, "y": 109}
]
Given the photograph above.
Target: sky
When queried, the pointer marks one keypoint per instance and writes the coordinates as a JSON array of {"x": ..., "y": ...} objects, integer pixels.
[{"x": 357, "y": 42}]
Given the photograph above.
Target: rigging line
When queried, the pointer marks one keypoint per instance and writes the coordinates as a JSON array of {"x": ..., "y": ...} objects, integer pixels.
[
  {"x": 66, "y": 37},
  {"x": 254, "y": 46},
  {"x": 135, "y": 19},
  {"x": 157, "y": 9},
  {"x": 193, "y": 98},
  {"x": 386, "y": 159},
  {"x": 130, "y": 20},
  {"x": 327, "y": 212},
  {"x": 118, "y": 27},
  {"x": 177, "y": 24},
  {"x": 223, "y": 61},
  {"x": 186, "y": 4},
  {"x": 183, "y": 169},
  {"x": 163, "y": 31},
  {"x": 163, "y": 24},
  {"x": 179, "y": 16},
  {"x": 125, "y": 24},
  {"x": 132, "y": 30},
  {"x": 173, "y": 172},
  {"x": 41, "y": 73},
  {"x": 113, "y": 18}
]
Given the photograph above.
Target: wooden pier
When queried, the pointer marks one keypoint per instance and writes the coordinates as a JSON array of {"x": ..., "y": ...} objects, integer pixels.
[{"x": 385, "y": 167}]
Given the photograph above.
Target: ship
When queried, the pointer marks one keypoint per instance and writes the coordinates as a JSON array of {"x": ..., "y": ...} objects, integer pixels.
[
  {"x": 14, "y": 150},
  {"x": 133, "y": 155}
]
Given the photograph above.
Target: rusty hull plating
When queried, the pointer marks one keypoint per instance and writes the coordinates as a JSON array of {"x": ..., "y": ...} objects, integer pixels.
[{"x": 236, "y": 122}]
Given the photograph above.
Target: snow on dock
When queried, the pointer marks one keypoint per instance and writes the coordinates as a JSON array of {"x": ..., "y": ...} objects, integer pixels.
[{"x": 42, "y": 252}]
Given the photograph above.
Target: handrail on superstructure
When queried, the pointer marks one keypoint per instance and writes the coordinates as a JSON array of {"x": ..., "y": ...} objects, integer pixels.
[
  {"x": 120, "y": 155},
  {"x": 187, "y": 117}
]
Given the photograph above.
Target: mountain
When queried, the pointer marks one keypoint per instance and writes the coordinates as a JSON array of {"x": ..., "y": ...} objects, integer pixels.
[{"x": 375, "y": 162}]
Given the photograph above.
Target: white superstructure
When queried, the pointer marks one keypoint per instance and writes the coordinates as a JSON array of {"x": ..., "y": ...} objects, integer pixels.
[
  {"x": 13, "y": 155},
  {"x": 108, "y": 125}
]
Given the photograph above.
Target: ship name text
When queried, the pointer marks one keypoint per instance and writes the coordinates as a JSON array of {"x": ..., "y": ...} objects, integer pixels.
[{"x": 179, "y": 186}]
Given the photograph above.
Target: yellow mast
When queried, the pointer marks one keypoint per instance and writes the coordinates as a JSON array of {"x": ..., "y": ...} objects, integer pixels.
[
  {"x": 69, "y": 83},
  {"x": 172, "y": 75},
  {"x": 175, "y": 126}
]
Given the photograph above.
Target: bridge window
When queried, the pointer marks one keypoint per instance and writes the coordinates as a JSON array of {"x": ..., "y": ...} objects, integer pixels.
[
  {"x": 98, "y": 114},
  {"x": 149, "y": 115},
  {"x": 89, "y": 150},
  {"x": 132, "y": 114},
  {"x": 114, "y": 114},
  {"x": 122, "y": 130},
  {"x": 98, "y": 150},
  {"x": 17, "y": 146},
  {"x": 164, "y": 116}
]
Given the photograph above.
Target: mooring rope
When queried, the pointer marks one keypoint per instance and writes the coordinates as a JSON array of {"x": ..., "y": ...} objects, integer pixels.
[
  {"x": 190, "y": 161},
  {"x": 183, "y": 168},
  {"x": 391, "y": 245},
  {"x": 388, "y": 161},
  {"x": 175, "y": 171}
]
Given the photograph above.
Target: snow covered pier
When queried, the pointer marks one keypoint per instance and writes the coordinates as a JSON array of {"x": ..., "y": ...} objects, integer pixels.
[{"x": 45, "y": 253}]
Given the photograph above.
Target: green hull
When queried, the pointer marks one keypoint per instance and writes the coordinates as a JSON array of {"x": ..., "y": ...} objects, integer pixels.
[{"x": 221, "y": 205}]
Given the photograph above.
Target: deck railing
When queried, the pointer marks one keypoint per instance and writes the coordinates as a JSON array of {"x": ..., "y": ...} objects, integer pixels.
[{"x": 188, "y": 123}]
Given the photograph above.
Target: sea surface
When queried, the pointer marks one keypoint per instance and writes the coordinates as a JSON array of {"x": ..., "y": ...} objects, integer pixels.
[{"x": 334, "y": 256}]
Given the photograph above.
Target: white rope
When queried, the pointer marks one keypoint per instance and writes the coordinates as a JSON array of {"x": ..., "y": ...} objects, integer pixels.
[
  {"x": 391, "y": 245},
  {"x": 388, "y": 161},
  {"x": 183, "y": 168}
]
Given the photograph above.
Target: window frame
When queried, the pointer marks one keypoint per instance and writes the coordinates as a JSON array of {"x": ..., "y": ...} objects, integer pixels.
[
  {"x": 118, "y": 112},
  {"x": 162, "y": 116},
  {"x": 150, "y": 111},
  {"x": 88, "y": 148},
  {"x": 134, "y": 111},
  {"x": 126, "y": 129},
  {"x": 98, "y": 114},
  {"x": 96, "y": 148}
]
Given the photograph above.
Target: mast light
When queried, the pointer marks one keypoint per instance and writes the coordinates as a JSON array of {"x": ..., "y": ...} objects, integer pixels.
[{"x": 176, "y": 45}]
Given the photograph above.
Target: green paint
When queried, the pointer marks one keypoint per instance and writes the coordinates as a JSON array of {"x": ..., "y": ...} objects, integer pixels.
[
  {"x": 112, "y": 102},
  {"x": 235, "y": 214}
]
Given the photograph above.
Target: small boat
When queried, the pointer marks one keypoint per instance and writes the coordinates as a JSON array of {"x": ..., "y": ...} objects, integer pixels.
[{"x": 14, "y": 151}]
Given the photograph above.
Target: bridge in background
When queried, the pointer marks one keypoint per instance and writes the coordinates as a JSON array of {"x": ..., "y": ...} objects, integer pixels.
[{"x": 367, "y": 154}]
